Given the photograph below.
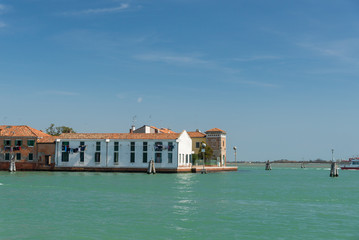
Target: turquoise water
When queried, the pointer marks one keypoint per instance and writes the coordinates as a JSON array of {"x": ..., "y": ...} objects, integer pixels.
[{"x": 285, "y": 203}]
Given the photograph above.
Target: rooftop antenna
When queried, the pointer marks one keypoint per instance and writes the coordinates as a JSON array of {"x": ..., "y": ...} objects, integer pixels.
[{"x": 133, "y": 128}]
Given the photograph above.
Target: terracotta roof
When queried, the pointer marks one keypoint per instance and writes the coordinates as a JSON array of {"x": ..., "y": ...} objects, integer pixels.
[
  {"x": 166, "y": 130},
  {"x": 21, "y": 131},
  {"x": 196, "y": 134},
  {"x": 215, "y": 130},
  {"x": 119, "y": 136},
  {"x": 50, "y": 139},
  {"x": 162, "y": 130}
]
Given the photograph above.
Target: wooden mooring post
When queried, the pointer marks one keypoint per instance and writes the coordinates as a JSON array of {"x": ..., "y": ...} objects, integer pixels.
[
  {"x": 302, "y": 166},
  {"x": 151, "y": 167},
  {"x": 268, "y": 166},
  {"x": 334, "y": 170}
]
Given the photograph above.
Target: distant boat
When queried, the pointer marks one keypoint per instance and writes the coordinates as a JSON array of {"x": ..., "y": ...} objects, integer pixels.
[
  {"x": 353, "y": 164},
  {"x": 302, "y": 166}
]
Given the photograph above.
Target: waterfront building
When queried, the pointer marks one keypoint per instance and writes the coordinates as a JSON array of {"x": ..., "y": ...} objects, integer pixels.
[
  {"x": 198, "y": 138},
  {"x": 216, "y": 139},
  {"x": 171, "y": 152},
  {"x": 31, "y": 149},
  {"x": 150, "y": 129},
  {"x": 20, "y": 144}
]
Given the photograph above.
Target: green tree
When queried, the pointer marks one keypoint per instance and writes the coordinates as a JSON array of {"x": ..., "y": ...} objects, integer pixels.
[
  {"x": 208, "y": 152},
  {"x": 56, "y": 131}
]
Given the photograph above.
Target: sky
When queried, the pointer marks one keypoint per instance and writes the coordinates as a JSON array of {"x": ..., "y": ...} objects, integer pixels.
[{"x": 280, "y": 77}]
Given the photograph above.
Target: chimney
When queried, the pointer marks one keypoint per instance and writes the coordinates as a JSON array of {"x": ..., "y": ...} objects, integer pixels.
[
  {"x": 132, "y": 129},
  {"x": 197, "y": 130}
]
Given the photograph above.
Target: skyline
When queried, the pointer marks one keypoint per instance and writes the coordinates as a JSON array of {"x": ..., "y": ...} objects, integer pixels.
[{"x": 279, "y": 77}]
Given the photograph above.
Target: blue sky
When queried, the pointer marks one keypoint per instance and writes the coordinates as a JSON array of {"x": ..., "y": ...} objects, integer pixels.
[{"x": 281, "y": 77}]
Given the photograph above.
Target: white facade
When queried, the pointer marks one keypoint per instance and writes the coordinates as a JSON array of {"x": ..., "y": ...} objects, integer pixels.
[{"x": 131, "y": 153}]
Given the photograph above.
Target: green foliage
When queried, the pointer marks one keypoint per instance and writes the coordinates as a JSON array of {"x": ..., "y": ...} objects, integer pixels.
[
  {"x": 208, "y": 152},
  {"x": 195, "y": 157},
  {"x": 56, "y": 131}
]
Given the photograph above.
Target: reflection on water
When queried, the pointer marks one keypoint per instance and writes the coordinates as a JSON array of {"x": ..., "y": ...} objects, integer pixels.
[{"x": 185, "y": 203}]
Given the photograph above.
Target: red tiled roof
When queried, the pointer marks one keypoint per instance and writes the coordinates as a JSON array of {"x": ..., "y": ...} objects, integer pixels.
[
  {"x": 119, "y": 136},
  {"x": 215, "y": 130},
  {"x": 162, "y": 130},
  {"x": 50, "y": 139},
  {"x": 196, "y": 134},
  {"x": 166, "y": 130},
  {"x": 21, "y": 131}
]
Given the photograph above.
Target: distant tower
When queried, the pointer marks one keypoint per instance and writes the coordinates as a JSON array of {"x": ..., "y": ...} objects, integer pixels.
[{"x": 216, "y": 139}]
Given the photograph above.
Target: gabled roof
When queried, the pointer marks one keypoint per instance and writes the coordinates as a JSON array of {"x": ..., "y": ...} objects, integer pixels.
[
  {"x": 162, "y": 130},
  {"x": 215, "y": 130},
  {"x": 196, "y": 134},
  {"x": 21, "y": 131},
  {"x": 119, "y": 136},
  {"x": 50, "y": 139},
  {"x": 166, "y": 130}
]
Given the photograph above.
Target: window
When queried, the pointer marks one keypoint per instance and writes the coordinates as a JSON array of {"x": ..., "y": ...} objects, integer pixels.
[
  {"x": 7, "y": 156},
  {"x": 158, "y": 157},
  {"x": 132, "y": 146},
  {"x": 65, "y": 157},
  {"x": 7, "y": 142},
  {"x": 223, "y": 143},
  {"x": 97, "y": 157},
  {"x": 170, "y": 157},
  {"x": 18, "y": 156},
  {"x": 186, "y": 158},
  {"x": 82, "y": 149},
  {"x": 158, "y": 146},
  {"x": 132, "y": 157},
  {"x": 115, "y": 157},
  {"x": 197, "y": 144},
  {"x": 170, "y": 146},
  {"x": 31, "y": 156},
  {"x": 82, "y": 156},
  {"x": 65, "y": 146},
  {"x": 144, "y": 157},
  {"x": 30, "y": 143},
  {"x": 98, "y": 146},
  {"x": 18, "y": 143},
  {"x": 115, "y": 147}
]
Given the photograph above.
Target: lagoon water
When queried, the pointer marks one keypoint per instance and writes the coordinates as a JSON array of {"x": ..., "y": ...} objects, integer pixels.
[{"x": 285, "y": 203}]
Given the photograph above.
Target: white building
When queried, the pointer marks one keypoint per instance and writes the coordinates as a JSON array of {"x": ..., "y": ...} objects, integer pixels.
[{"x": 171, "y": 152}]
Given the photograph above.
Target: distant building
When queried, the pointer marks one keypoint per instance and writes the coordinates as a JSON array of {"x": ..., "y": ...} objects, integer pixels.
[
  {"x": 123, "y": 151},
  {"x": 20, "y": 144},
  {"x": 32, "y": 149},
  {"x": 197, "y": 139},
  {"x": 216, "y": 139},
  {"x": 150, "y": 129}
]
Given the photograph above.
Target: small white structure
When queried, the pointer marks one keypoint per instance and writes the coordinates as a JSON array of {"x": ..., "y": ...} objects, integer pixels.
[{"x": 123, "y": 151}]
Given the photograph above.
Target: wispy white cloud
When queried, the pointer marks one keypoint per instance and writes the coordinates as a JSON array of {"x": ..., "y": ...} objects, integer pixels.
[
  {"x": 120, "y": 8},
  {"x": 121, "y": 95},
  {"x": 139, "y": 100},
  {"x": 257, "y": 58},
  {"x": 2, "y": 25},
  {"x": 2, "y": 7},
  {"x": 170, "y": 58},
  {"x": 62, "y": 93},
  {"x": 255, "y": 83},
  {"x": 346, "y": 50}
]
